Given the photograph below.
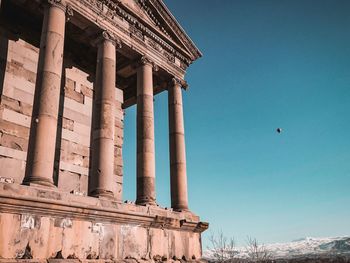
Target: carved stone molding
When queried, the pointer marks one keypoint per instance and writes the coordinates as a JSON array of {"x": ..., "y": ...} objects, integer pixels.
[
  {"x": 143, "y": 5},
  {"x": 69, "y": 12},
  {"x": 158, "y": 5},
  {"x": 179, "y": 82},
  {"x": 46, "y": 202},
  {"x": 108, "y": 9},
  {"x": 108, "y": 36},
  {"x": 58, "y": 3},
  {"x": 147, "y": 61}
]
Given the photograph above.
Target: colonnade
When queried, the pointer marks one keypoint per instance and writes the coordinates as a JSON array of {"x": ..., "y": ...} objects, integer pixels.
[{"x": 42, "y": 142}]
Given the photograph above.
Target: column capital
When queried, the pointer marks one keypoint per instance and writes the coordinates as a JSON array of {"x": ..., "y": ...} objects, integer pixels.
[
  {"x": 58, "y": 3},
  {"x": 179, "y": 82},
  {"x": 69, "y": 12},
  {"x": 145, "y": 60},
  {"x": 61, "y": 4},
  {"x": 106, "y": 35}
]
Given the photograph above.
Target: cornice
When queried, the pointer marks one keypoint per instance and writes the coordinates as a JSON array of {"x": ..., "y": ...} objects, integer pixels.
[
  {"x": 174, "y": 24},
  {"x": 63, "y": 205},
  {"x": 109, "y": 9}
]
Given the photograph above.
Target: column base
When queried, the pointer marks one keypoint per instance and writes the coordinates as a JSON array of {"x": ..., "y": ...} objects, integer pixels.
[
  {"x": 146, "y": 201},
  {"x": 180, "y": 208},
  {"x": 39, "y": 181},
  {"x": 101, "y": 193}
]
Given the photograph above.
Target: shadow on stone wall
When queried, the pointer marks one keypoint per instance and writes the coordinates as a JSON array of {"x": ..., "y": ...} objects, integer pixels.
[
  {"x": 56, "y": 170},
  {"x": 3, "y": 58}
]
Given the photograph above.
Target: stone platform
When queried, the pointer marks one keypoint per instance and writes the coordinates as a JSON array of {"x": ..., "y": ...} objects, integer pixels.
[{"x": 41, "y": 225}]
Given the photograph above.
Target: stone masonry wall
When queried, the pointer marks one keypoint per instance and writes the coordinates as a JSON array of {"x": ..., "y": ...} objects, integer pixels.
[
  {"x": 81, "y": 239},
  {"x": 48, "y": 225},
  {"x": 18, "y": 66}
]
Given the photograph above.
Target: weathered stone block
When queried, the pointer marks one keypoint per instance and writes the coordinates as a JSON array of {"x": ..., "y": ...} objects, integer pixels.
[
  {"x": 20, "y": 71},
  {"x": 159, "y": 243},
  {"x": 118, "y": 169},
  {"x": 77, "y": 117},
  {"x": 68, "y": 181},
  {"x": 20, "y": 83},
  {"x": 133, "y": 242},
  {"x": 118, "y": 151},
  {"x": 77, "y": 106},
  {"x": 15, "y": 117},
  {"x": 73, "y": 147},
  {"x": 179, "y": 245},
  {"x": 86, "y": 91},
  {"x": 195, "y": 246},
  {"x": 9, "y": 236},
  {"x": 8, "y": 152},
  {"x": 74, "y": 168},
  {"x": 69, "y": 92},
  {"x": 119, "y": 114},
  {"x": 67, "y": 124},
  {"x": 119, "y": 123},
  {"x": 14, "y": 142},
  {"x": 82, "y": 129},
  {"x": 75, "y": 137},
  {"x": 14, "y": 129},
  {"x": 118, "y": 194},
  {"x": 72, "y": 158},
  {"x": 10, "y": 103},
  {"x": 118, "y": 133},
  {"x": 81, "y": 241},
  {"x": 109, "y": 241},
  {"x": 17, "y": 94},
  {"x": 12, "y": 168},
  {"x": 119, "y": 95},
  {"x": 118, "y": 161}
]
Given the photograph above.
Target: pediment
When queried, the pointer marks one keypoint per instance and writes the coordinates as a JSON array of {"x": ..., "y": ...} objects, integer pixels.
[
  {"x": 155, "y": 14},
  {"x": 139, "y": 11}
]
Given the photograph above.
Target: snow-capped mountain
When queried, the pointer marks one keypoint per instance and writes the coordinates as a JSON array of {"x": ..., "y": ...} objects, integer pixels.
[
  {"x": 309, "y": 245},
  {"x": 302, "y": 247}
]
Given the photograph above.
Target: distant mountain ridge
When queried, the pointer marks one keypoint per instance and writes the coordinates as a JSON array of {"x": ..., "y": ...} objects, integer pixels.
[
  {"x": 310, "y": 246},
  {"x": 305, "y": 247}
]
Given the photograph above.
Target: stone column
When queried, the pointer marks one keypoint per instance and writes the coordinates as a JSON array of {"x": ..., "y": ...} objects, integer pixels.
[
  {"x": 145, "y": 135},
  {"x": 102, "y": 183},
  {"x": 178, "y": 176},
  {"x": 42, "y": 141}
]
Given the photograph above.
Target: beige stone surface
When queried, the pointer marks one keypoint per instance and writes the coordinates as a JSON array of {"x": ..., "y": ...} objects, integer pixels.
[
  {"x": 63, "y": 224},
  {"x": 14, "y": 129},
  {"x": 159, "y": 243},
  {"x": 15, "y": 117},
  {"x": 133, "y": 242},
  {"x": 12, "y": 153},
  {"x": 178, "y": 175},
  {"x": 146, "y": 192},
  {"x": 102, "y": 184},
  {"x": 42, "y": 143},
  {"x": 12, "y": 168}
]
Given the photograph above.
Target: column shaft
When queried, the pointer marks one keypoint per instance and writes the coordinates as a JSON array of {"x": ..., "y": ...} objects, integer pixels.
[
  {"x": 145, "y": 136},
  {"x": 42, "y": 142},
  {"x": 102, "y": 179},
  {"x": 178, "y": 176}
]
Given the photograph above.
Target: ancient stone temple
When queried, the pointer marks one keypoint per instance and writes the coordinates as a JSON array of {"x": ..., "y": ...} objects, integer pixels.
[{"x": 68, "y": 70}]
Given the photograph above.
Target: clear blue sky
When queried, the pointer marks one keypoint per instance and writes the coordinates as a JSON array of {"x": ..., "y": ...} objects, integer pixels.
[{"x": 266, "y": 64}]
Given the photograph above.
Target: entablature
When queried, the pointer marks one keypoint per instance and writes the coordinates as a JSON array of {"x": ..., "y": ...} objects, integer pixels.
[
  {"x": 136, "y": 33},
  {"x": 137, "y": 37}
]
